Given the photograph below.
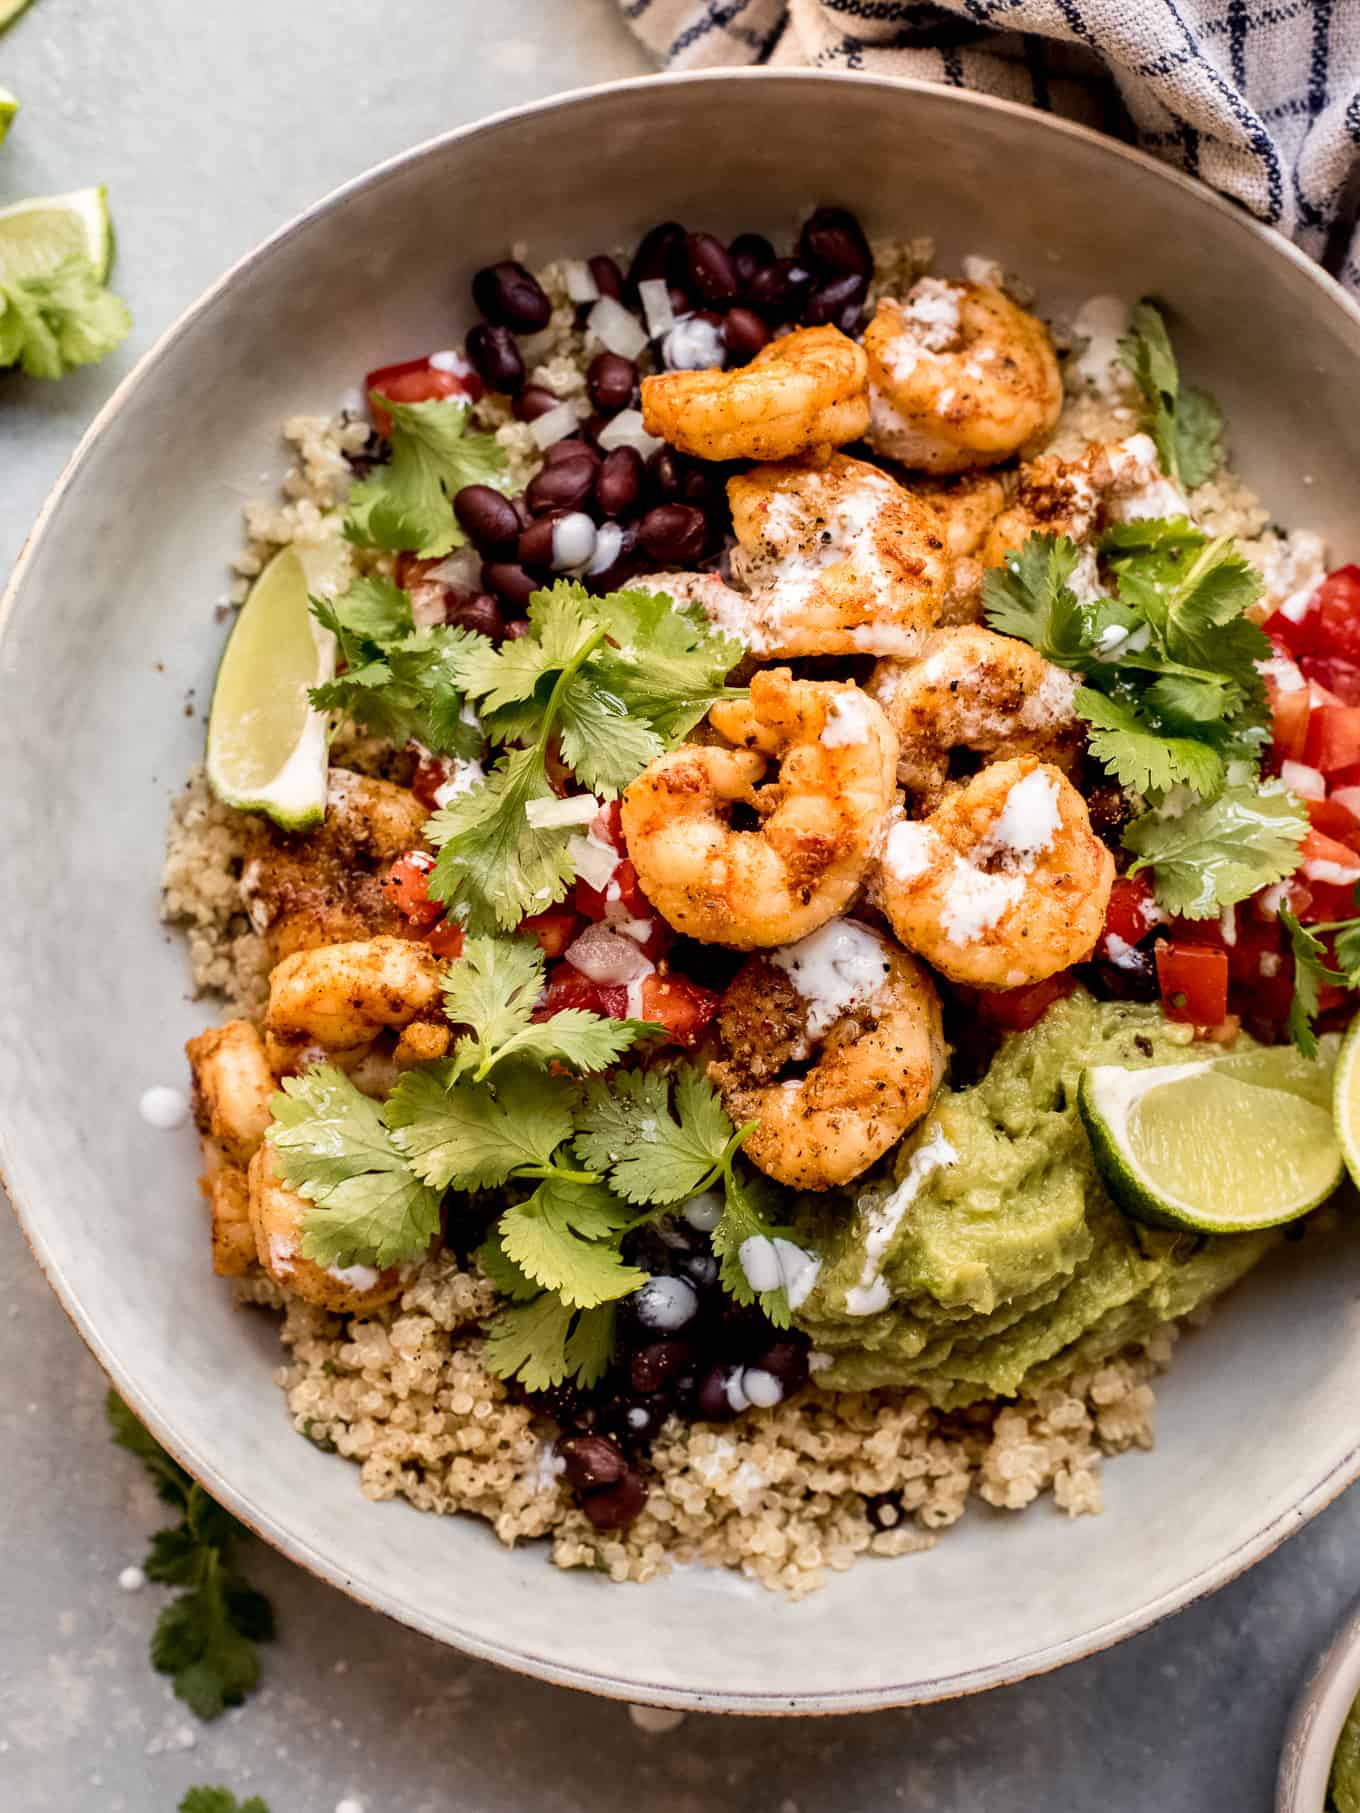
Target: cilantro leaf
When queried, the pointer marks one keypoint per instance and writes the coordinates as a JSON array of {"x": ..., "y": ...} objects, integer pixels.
[
  {"x": 750, "y": 1204},
  {"x": 469, "y": 1136},
  {"x": 667, "y": 663},
  {"x": 496, "y": 865},
  {"x": 406, "y": 505},
  {"x": 603, "y": 746},
  {"x": 564, "y": 1237},
  {"x": 1194, "y": 592},
  {"x": 504, "y": 1274},
  {"x": 1028, "y": 597},
  {"x": 206, "y": 1637},
  {"x": 493, "y": 989},
  {"x": 331, "y": 1146},
  {"x": 1346, "y": 949},
  {"x": 219, "y": 1800},
  {"x": 398, "y": 681},
  {"x": 562, "y": 631},
  {"x": 546, "y": 1342},
  {"x": 50, "y": 324},
  {"x": 1311, "y": 970},
  {"x": 1219, "y": 851},
  {"x": 651, "y": 1152},
  {"x": 1186, "y": 425},
  {"x": 1139, "y": 755}
]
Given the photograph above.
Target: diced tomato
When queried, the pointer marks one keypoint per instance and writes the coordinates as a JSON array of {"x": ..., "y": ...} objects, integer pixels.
[
  {"x": 1204, "y": 934},
  {"x": 620, "y": 898},
  {"x": 1132, "y": 910},
  {"x": 1333, "y": 740},
  {"x": 445, "y": 939},
  {"x": 1256, "y": 938},
  {"x": 1335, "y": 820},
  {"x": 1017, "y": 1009},
  {"x": 1319, "y": 849},
  {"x": 405, "y": 885},
  {"x": 682, "y": 1007},
  {"x": 554, "y": 929},
  {"x": 1289, "y": 713},
  {"x": 1194, "y": 983},
  {"x": 567, "y": 987},
  {"x": 607, "y": 826},
  {"x": 1336, "y": 603},
  {"x": 417, "y": 381},
  {"x": 1297, "y": 635},
  {"x": 1339, "y": 676},
  {"x": 431, "y": 773}
]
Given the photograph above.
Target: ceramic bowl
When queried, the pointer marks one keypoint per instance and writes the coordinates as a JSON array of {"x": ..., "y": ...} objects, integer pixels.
[
  {"x": 111, "y": 627},
  {"x": 1316, "y": 1720}
]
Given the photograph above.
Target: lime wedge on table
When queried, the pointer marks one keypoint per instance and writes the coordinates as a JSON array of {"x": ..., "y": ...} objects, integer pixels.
[
  {"x": 10, "y": 10},
  {"x": 36, "y": 236},
  {"x": 1220, "y": 1145},
  {"x": 9, "y": 106},
  {"x": 266, "y": 745}
]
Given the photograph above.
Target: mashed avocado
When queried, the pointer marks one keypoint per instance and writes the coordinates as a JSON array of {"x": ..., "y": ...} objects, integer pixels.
[{"x": 995, "y": 1256}]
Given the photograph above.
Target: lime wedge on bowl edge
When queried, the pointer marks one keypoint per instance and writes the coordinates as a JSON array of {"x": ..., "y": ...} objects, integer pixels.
[
  {"x": 38, "y": 235},
  {"x": 1220, "y": 1145},
  {"x": 9, "y": 106},
  {"x": 1346, "y": 1099},
  {"x": 266, "y": 745}
]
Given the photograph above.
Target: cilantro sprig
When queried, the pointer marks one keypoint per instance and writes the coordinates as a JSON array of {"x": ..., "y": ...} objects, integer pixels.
[
  {"x": 49, "y": 324},
  {"x": 405, "y": 505},
  {"x": 398, "y": 681},
  {"x": 610, "y": 682},
  {"x": 1217, "y": 852},
  {"x": 206, "y": 1638},
  {"x": 213, "y": 1799},
  {"x": 1313, "y": 967},
  {"x": 1186, "y": 424}
]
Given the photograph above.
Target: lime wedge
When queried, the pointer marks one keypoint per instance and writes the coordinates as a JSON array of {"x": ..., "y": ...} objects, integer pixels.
[
  {"x": 36, "y": 236},
  {"x": 10, "y": 10},
  {"x": 1223, "y": 1145},
  {"x": 1346, "y": 1099},
  {"x": 9, "y": 106},
  {"x": 266, "y": 745}
]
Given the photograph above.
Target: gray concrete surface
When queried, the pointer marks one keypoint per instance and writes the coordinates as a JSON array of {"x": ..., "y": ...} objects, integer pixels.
[{"x": 211, "y": 125}]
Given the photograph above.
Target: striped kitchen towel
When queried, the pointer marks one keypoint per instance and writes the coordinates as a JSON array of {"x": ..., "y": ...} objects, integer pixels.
[{"x": 1260, "y": 98}]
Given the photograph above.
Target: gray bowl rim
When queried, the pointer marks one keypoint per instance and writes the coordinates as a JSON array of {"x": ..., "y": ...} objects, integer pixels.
[
  {"x": 1316, "y": 1718},
  {"x": 1019, "y": 1667}
]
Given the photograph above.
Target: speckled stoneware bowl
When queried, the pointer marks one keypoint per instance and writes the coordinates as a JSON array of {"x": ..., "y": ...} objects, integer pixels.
[
  {"x": 110, "y": 623},
  {"x": 1315, "y": 1723}
]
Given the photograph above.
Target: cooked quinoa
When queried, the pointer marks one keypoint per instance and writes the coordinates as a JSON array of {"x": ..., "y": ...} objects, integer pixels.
[{"x": 787, "y": 1495}]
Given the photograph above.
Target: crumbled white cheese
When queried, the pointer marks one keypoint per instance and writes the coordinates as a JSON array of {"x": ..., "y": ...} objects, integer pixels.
[
  {"x": 354, "y": 1277},
  {"x": 693, "y": 344},
  {"x": 463, "y": 777},
  {"x": 978, "y": 268},
  {"x": 847, "y": 719},
  {"x": 1100, "y": 322},
  {"x": 1029, "y": 819},
  {"x": 837, "y": 967},
  {"x": 931, "y": 312},
  {"x": 1119, "y": 952},
  {"x": 163, "y": 1107},
  {"x": 872, "y": 1293},
  {"x": 1292, "y": 566},
  {"x": 132, "y": 1579},
  {"x": 1139, "y": 488},
  {"x": 910, "y": 850}
]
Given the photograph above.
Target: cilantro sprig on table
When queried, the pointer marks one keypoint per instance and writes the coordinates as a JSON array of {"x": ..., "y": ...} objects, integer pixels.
[
  {"x": 1185, "y": 424},
  {"x": 205, "y": 1639},
  {"x": 406, "y": 504},
  {"x": 1172, "y": 697},
  {"x": 52, "y": 323},
  {"x": 219, "y": 1800},
  {"x": 582, "y": 1161},
  {"x": 610, "y": 683}
]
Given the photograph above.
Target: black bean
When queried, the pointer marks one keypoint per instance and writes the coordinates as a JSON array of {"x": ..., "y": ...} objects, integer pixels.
[
  {"x": 614, "y": 1507},
  {"x": 786, "y": 1361},
  {"x": 661, "y": 253},
  {"x": 750, "y": 252},
  {"x": 840, "y": 300},
  {"x": 572, "y": 448},
  {"x": 562, "y": 486},
  {"x": 711, "y": 1403},
  {"x": 700, "y": 1268},
  {"x": 478, "y": 612},
  {"x": 612, "y": 382},
  {"x": 533, "y": 401},
  {"x": 494, "y": 352},
  {"x": 673, "y": 476},
  {"x": 592, "y": 1461},
  {"x": 608, "y": 277},
  {"x": 884, "y": 1510},
  {"x": 1133, "y": 978},
  {"x": 508, "y": 294},
  {"x": 618, "y": 483},
  {"x": 652, "y": 1367},
  {"x": 779, "y": 290},
  {"x": 674, "y": 533},
  {"x": 535, "y": 545},
  {"x": 744, "y": 334},
  {"x": 711, "y": 271},
  {"x": 488, "y": 517},
  {"x": 513, "y": 586},
  {"x": 594, "y": 426},
  {"x": 834, "y": 239}
]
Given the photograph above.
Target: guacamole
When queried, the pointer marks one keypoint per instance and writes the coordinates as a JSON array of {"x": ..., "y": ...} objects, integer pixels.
[{"x": 993, "y": 1256}]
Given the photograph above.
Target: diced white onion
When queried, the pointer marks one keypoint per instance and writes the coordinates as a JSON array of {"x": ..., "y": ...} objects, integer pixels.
[
  {"x": 461, "y": 569},
  {"x": 656, "y": 305},
  {"x": 554, "y": 426},
  {"x": 1349, "y": 797},
  {"x": 535, "y": 348},
  {"x": 1307, "y": 782},
  {"x": 626, "y": 430},
  {"x": 573, "y": 542},
  {"x": 605, "y": 956},
  {"x": 581, "y": 286},
  {"x": 545, "y": 814},
  {"x": 595, "y": 862},
  {"x": 616, "y": 328},
  {"x": 608, "y": 547}
]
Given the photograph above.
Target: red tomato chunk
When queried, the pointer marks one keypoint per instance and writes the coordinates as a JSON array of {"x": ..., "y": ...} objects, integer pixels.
[
  {"x": 405, "y": 884},
  {"x": 416, "y": 381},
  {"x": 1193, "y": 979}
]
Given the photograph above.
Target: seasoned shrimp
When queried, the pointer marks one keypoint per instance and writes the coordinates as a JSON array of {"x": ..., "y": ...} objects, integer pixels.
[
  {"x": 974, "y": 690},
  {"x": 341, "y": 996},
  {"x": 228, "y": 1197},
  {"x": 1112, "y": 481},
  {"x": 959, "y": 376},
  {"x": 750, "y": 889},
  {"x": 807, "y": 389},
  {"x": 1004, "y": 884},
  {"x": 836, "y": 558},
  {"x": 232, "y": 1087},
  {"x": 308, "y": 888},
  {"x": 870, "y": 1014},
  {"x": 967, "y": 507},
  {"x": 276, "y": 1215}
]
